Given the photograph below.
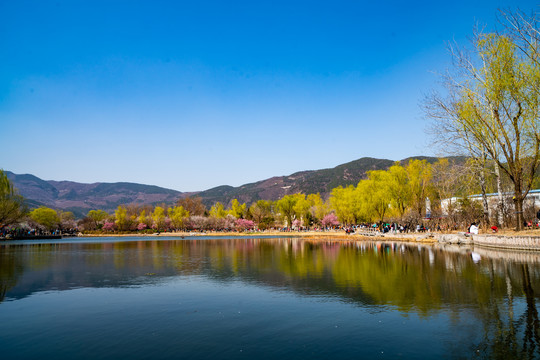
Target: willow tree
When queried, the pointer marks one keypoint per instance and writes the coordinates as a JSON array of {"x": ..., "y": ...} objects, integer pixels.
[
  {"x": 121, "y": 218},
  {"x": 319, "y": 208},
  {"x": 419, "y": 176},
  {"x": 399, "y": 190},
  {"x": 375, "y": 198},
  {"x": 286, "y": 207},
  {"x": 158, "y": 217},
  {"x": 346, "y": 203},
  {"x": 261, "y": 211},
  {"x": 178, "y": 214},
  {"x": 492, "y": 108},
  {"x": 12, "y": 207}
]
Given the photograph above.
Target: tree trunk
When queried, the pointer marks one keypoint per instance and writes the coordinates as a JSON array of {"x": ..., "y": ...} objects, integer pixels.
[
  {"x": 500, "y": 199},
  {"x": 482, "y": 178},
  {"x": 518, "y": 206}
]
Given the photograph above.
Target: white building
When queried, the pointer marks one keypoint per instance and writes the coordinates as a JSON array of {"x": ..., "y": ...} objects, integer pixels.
[{"x": 532, "y": 199}]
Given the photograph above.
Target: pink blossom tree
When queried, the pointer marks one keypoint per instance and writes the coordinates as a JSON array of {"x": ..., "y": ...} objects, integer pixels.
[
  {"x": 243, "y": 224},
  {"x": 330, "y": 220},
  {"x": 141, "y": 226},
  {"x": 197, "y": 222},
  {"x": 109, "y": 226}
]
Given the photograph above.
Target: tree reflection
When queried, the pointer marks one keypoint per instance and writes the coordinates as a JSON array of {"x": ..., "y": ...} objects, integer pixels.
[
  {"x": 11, "y": 268},
  {"x": 423, "y": 280}
]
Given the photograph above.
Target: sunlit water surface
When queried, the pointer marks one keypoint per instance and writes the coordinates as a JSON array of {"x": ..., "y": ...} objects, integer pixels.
[{"x": 264, "y": 298}]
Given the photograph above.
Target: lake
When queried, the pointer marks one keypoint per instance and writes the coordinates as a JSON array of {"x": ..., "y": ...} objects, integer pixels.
[{"x": 265, "y": 298}]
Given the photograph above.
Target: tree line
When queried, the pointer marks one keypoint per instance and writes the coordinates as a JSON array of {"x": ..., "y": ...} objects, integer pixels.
[{"x": 418, "y": 192}]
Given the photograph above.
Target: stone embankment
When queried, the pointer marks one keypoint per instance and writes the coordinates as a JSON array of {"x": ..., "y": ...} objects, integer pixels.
[
  {"x": 521, "y": 242},
  {"x": 507, "y": 241}
]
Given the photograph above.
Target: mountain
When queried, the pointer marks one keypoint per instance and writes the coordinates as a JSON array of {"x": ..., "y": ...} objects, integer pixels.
[
  {"x": 80, "y": 198},
  {"x": 306, "y": 182}
]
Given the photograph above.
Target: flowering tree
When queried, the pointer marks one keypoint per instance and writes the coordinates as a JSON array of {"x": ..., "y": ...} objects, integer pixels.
[
  {"x": 330, "y": 220},
  {"x": 296, "y": 223},
  {"x": 243, "y": 224},
  {"x": 168, "y": 223},
  {"x": 230, "y": 222},
  {"x": 141, "y": 226},
  {"x": 197, "y": 222},
  {"x": 109, "y": 226}
]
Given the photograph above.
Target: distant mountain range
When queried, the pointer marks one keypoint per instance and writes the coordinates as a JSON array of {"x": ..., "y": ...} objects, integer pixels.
[{"x": 80, "y": 198}]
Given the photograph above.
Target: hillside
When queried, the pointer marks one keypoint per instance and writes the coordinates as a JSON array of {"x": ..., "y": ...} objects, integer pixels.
[
  {"x": 80, "y": 198},
  {"x": 306, "y": 182}
]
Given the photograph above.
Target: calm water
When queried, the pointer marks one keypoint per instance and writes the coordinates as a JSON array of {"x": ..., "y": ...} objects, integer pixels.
[{"x": 134, "y": 298}]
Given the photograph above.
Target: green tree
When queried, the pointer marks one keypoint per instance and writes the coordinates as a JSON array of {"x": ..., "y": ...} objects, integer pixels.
[
  {"x": 142, "y": 218},
  {"x": 346, "y": 204},
  {"x": 419, "y": 176},
  {"x": 158, "y": 217},
  {"x": 286, "y": 207},
  {"x": 177, "y": 215},
  {"x": 218, "y": 211},
  {"x": 237, "y": 210},
  {"x": 121, "y": 219},
  {"x": 302, "y": 209},
  {"x": 260, "y": 210},
  {"x": 399, "y": 190},
  {"x": 375, "y": 198},
  {"x": 6, "y": 187},
  {"x": 12, "y": 206},
  {"x": 319, "y": 208},
  {"x": 45, "y": 217},
  {"x": 97, "y": 216},
  {"x": 493, "y": 106}
]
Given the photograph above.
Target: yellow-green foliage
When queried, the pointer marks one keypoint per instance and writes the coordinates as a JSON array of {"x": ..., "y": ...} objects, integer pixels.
[
  {"x": 286, "y": 206},
  {"x": 237, "y": 210},
  {"x": 346, "y": 203},
  {"x": 419, "y": 176},
  {"x": 177, "y": 214},
  {"x": 218, "y": 211},
  {"x": 97, "y": 215},
  {"x": 46, "y": 217},
  {"x": 121, "y": 219},
  {"x": 158, "y": 217}
]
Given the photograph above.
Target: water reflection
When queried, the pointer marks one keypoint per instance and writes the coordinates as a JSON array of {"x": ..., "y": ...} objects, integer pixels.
[{"x": 498, "y": 288}]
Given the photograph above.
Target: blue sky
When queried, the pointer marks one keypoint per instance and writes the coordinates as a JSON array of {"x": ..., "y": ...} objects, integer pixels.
[{"x": 192, "y": 95}]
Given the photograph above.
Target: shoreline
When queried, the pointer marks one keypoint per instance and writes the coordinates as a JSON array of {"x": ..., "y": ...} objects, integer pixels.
[
  {"x": 513, "y": 241},
  {"x": 500, "y": 241}
]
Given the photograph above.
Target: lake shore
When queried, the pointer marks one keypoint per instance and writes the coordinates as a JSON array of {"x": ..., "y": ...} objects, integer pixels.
[{"x": 523, "y": 240}]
